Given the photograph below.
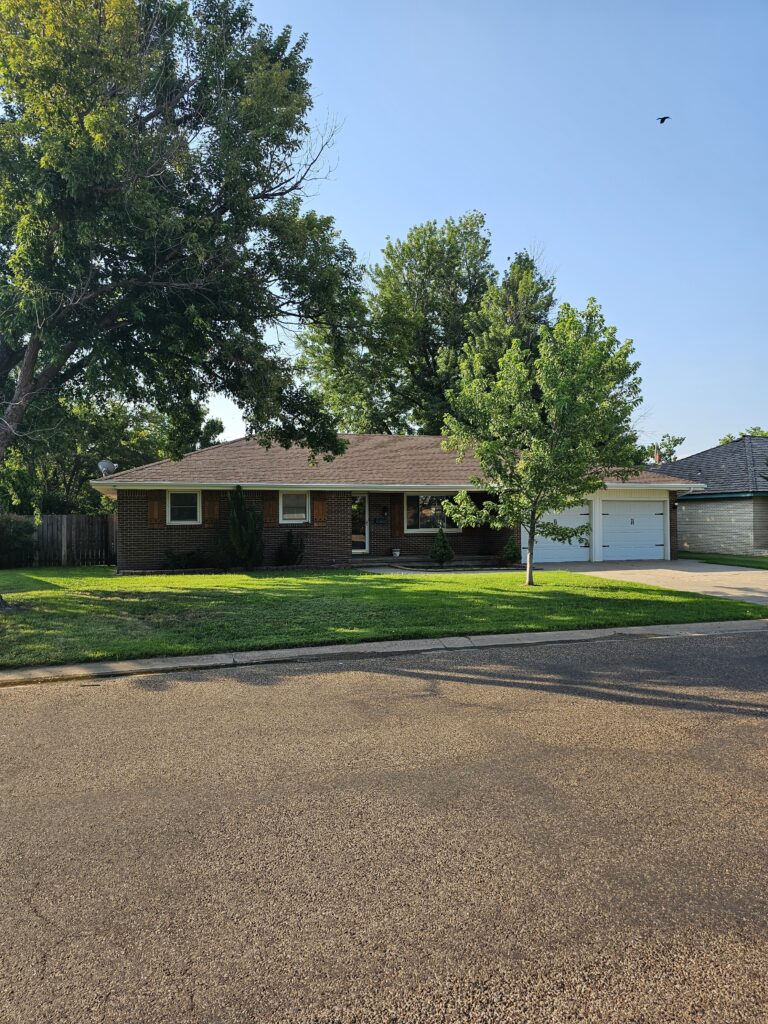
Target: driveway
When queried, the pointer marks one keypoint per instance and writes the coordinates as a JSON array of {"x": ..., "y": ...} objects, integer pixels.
[
  {"x": 686, "y": 574},
  {"x": 572, "y": 832}
]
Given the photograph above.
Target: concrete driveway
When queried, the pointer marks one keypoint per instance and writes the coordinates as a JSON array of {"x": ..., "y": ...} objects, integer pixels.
[
  {"x": 685, "y": 574},
  {"x": 550, "y": 835}
]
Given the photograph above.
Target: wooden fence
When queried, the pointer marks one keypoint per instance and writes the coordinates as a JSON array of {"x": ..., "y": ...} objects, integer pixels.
[{"x": 77, "y": 540}]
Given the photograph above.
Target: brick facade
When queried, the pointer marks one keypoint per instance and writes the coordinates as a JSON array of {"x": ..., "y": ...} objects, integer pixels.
[
  {"x": 731, "y": 526},
  {"x": 145, "y": 541}
]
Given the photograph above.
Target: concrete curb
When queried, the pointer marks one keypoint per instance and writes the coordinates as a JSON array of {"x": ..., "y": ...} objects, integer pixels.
[{"x": 374, "y": 649}]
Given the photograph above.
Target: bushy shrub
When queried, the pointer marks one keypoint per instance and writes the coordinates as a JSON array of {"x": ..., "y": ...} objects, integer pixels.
[
  {"x": 246, "y": 532},
  {"x": 184, "y": 560},
  {"x": 17, "y": 542},
  {"x": 290, "y": 550},
  {"x": 442, "y": 551},
  {"x": 511, "y": 553}
]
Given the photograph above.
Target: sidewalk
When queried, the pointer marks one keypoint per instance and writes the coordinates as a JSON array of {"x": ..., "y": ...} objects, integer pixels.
[{"x": 376, "y": 649}]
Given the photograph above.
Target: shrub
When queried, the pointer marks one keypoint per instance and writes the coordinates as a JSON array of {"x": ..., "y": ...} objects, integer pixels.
[
  {"x": 196, "y": 559},
  {"x": 17, "y": 542},
  {"x": 511, "y": 553},
  {"x": 246, "y": 532},
  {"x": 290, "y": 550},
  {"x": 442, "y": 551}
]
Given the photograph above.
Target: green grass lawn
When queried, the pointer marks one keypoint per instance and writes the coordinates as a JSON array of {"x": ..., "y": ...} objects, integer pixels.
[
  {"x": 747, "y": 561},
  {"x": 66, "y": 615}
]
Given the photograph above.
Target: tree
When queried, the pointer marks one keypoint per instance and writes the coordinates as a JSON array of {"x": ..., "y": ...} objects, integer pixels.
[
  {"x": 749, "y": 432},
  {"x": 666, "y": 449},
  {"x": 545, "y": 429},
  {"x": 401, "y": 353},
  {"x": 154, "y": 155},
  {"x": 49, "y": 466},
  {"x": 246, "y": 538}
]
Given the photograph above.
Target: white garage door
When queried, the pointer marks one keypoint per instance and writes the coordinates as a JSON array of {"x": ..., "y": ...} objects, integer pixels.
[
  {"x": 546, "y": 550},
  {"x": 633, "y": 529}
]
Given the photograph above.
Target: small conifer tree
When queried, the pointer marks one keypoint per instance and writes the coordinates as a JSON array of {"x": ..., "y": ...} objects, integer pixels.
[{"x": 442, "y": 551}]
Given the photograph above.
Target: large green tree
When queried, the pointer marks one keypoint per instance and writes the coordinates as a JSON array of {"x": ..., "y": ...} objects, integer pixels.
[
  {"x": 423, "y": 302},
  {"x": 544, "y": 427},
  {"x": 48, "y": 467},
  {"x": 154, "y": 156},
  {"x": 663, "y": 450}
]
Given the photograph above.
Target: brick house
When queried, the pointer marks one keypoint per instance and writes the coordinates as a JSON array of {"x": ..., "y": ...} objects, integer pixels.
[
  {"x": 383, "y": 494},
  {"x": 731, "y": 516}
]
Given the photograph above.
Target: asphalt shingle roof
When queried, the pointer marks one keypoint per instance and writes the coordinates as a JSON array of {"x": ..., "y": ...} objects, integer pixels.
[
  {"x": 732, "y": 468},
  {"x": 370, "y": 460}
]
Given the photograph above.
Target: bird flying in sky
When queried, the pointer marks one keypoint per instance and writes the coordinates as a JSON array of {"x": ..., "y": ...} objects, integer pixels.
[{"x": 661, "y": 120}]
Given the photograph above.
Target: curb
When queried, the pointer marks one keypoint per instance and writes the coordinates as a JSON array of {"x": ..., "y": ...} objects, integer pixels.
[{"x": 373, "y": 649}]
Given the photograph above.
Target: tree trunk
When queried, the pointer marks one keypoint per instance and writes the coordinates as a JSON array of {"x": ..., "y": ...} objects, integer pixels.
[
  {"x": 4, "y": 606},
  {"x": 529, "y": 559}
]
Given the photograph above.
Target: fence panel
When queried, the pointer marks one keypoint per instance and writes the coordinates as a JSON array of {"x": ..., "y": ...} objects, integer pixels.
[{"x": 77, "y": 540}]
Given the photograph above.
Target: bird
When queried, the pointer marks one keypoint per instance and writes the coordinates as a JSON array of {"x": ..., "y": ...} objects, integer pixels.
[{"x": 661, "y": 120}]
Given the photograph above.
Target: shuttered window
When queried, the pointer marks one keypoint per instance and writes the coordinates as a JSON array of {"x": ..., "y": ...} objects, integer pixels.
[{"x": 183, "y": 508}]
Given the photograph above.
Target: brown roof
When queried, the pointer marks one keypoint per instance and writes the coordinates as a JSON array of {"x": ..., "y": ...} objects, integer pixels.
[{"x": 370, "y": 460}]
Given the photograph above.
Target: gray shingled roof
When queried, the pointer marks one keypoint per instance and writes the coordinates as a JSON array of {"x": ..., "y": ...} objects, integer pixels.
[
  {"x": 732, "y": 468},
  {"x": 370, "y": 460}
]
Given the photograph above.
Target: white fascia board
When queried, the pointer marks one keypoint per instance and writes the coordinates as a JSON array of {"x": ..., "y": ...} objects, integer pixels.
[{"x": 629, "y": 484}]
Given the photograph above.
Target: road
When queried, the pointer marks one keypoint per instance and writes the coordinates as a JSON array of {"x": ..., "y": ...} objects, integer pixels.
[{"x": 571, "y": 832}]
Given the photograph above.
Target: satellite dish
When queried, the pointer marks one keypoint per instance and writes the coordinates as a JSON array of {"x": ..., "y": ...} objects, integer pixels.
[{"x": 107, "y": 467}]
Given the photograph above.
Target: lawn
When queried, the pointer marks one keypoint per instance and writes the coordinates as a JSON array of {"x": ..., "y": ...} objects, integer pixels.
[
  {"x": 747, "y": 561},
  {"x": 65, "y": 615}
]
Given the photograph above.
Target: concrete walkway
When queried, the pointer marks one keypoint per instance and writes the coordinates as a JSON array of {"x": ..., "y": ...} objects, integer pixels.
[
  {"x": 374, "y": 649},
  {"x": 689, "y": 575}
]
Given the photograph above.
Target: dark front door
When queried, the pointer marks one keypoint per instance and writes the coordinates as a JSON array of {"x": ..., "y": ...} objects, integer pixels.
[{"x": 360, "y": 524}]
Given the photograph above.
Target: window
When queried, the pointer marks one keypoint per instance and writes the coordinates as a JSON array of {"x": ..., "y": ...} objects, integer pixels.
[
  {"x": 424, "y": 512},
  {"x": 183, "y": 507},
  {"x": 294, "y": 506}
]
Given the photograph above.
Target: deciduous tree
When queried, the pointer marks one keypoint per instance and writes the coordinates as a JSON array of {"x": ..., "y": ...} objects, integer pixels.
[
  {"x": 154, "y": 156},
  {"x": 545, "y": 428}
]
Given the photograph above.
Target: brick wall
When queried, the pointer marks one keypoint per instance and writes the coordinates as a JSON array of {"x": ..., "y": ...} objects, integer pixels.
[
  {"x": 674, "y": 538},
  {"x": 143, "y": 547},
  {"x": 720, "y": 525}
]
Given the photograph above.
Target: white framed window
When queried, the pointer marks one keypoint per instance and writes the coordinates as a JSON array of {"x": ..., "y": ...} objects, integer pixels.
[
  {"x": 424, "y": 514},
  {"x": 182, "y": 508},
  {"x": 294, "y": 507}
]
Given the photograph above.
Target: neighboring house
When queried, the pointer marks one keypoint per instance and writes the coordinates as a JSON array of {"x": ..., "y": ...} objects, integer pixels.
[
  {"x": 731, "y": 516},
  {"x": 385, "y": 492}
]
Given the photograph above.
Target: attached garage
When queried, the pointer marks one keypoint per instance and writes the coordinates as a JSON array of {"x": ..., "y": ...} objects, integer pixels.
[
  {"x": 547, "y": 550},
  {"x": 633, "y": 529}
]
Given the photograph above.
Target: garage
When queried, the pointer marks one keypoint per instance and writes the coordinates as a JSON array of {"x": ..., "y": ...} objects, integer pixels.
[
  {"x": 546, "y": 550},
  {"x": 633, "y": 529}
]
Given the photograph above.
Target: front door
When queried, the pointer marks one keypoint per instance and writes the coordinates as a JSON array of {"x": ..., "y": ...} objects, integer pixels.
[{"x": 360, "y": 524}]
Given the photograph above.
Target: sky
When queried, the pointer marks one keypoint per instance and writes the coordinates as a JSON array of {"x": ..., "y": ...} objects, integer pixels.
[{"x": 542, "y": 115}]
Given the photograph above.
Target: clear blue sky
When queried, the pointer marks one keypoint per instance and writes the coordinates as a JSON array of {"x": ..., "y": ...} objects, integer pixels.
[{"x": 542, "y": 115}]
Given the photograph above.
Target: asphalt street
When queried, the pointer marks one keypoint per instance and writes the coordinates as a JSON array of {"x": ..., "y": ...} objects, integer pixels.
[{"x": 568, "y": 832}]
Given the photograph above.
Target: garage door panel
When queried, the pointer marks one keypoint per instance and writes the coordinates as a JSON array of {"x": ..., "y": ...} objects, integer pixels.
[
  {"x": 546, "y": 550},
  {"x": 633, "y": 529}
]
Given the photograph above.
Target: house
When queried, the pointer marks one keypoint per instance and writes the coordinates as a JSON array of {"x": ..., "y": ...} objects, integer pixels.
[
  {"x": 385, "y": 492},
  {"x": 731, "y": 516}
]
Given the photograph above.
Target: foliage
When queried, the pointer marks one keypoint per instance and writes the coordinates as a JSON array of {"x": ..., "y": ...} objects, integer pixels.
[
  {"x": 48, "y": 467},
  {"x": 290, "y": 550},
  {"x": 666, "y": 449},
  {"x": 442, "y": 551},
  {"x": 391, "y": 370},
  {"x": 17, "y": 542},
  {"x": 245, "y": 527},
  {"x": 545, "y": 429},
  {"x": 187, "y": 560},
  {"x": 66, "y": 615},
  {"x": 154, "y": 157},
  {"x": 749, "y": 432},
  {"x": 511, "y": 553}
]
